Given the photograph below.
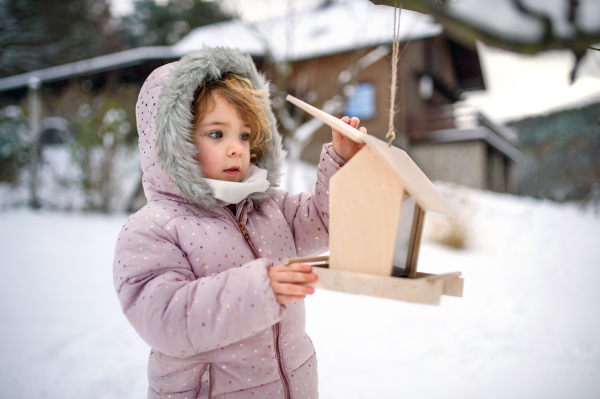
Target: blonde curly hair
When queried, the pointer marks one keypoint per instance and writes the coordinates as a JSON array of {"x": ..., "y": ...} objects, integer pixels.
[{"x": 238, "y": 92}]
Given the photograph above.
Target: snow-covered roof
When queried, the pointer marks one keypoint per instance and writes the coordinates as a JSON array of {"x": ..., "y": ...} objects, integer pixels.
[
  {"x": 330, "y": 30},
  {"x": 89, "y": 66}
]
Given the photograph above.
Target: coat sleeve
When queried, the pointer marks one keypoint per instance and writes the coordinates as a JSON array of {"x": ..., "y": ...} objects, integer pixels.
[
  {"x": 177, "y": 313},
  {"x": 308, "y": 214}
]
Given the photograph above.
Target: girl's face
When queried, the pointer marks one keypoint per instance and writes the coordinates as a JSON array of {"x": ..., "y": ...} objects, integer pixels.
[{"x": 223, "y": 143}]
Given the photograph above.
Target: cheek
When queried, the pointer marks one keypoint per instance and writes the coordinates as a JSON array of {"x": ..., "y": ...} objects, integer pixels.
[
  {"x": 208, "y": 159},
  {"x": 246, "y": 156},
  {"x": 247, "y": 150}
]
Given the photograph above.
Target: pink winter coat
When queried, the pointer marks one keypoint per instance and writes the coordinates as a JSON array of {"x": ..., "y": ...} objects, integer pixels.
[{"x": 192, "y": 278}]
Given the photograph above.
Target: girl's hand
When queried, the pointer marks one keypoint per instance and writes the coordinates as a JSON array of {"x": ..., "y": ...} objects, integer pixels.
[
  {"x": 286, "y": 280},
  {"x": 342, "y": 145}
]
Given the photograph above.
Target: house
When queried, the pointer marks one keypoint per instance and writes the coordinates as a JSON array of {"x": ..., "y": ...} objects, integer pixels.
[
  {"x": 339, "y": 51},
  {"x": 132, "y": 66},
  {"x": 324, "y": 49},
  {"x": 378, "y": 202}
]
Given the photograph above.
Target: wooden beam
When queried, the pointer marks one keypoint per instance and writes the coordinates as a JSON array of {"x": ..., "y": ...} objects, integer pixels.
[
  {"x": 417, "y": 243},
  {"x": 425, "y": 289},
  {"x": 307, "y": 259},
  {"x": 397, "y": 288},
  {"x": 452, "y": 286},
  {"x": 348, "y": 131}
]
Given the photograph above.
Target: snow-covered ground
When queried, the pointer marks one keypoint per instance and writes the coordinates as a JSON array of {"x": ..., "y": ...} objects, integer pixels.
[{"x": 528, "y": 325}]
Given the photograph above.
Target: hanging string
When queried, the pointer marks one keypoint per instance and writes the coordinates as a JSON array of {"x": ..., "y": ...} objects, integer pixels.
[{"x": 391, "y": 134}]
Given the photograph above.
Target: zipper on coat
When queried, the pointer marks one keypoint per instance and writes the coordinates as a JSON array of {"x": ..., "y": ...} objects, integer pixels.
[
  {"x": 284, "y": 379},
  {"x": 276, "y": 327},
  {"x": 243, "y": 230},
  {"x": 199, "y": 382}
]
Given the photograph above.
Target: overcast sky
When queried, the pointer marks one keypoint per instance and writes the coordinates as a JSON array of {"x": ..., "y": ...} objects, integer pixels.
[{"x": 517, "y": 85}]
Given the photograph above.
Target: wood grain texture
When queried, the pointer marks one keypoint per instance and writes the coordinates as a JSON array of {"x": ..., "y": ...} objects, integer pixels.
[
  {"x": 413, "y": 179},
  {"x": 416, "y": 245},
  {"x": 307, "y": 259},
  {"x": 425, "y": 288},
  {"x": 413, "y": 245},
  {"x": 365, "y": 206},
  {"x": 453, "y": 286},
  {"x": 416, "y": 290}
]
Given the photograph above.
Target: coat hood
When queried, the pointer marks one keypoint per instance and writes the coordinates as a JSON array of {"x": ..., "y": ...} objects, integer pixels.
[{"x": 164, "y": 118}]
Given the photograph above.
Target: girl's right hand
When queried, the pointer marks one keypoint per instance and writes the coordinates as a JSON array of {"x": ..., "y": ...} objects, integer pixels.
[
  {"x": 344, "y": 146},
  {"x": 286, "y": 281}
]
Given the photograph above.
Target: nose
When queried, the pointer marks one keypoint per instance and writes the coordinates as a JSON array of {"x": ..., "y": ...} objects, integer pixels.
[{"x": 234, "y": 149}]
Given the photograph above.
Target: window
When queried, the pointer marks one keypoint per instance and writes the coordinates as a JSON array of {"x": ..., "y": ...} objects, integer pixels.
[{"x": 362, "y": 102}]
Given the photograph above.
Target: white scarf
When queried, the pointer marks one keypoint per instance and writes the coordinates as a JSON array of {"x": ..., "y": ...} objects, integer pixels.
[{"x": 230, "y": 192}]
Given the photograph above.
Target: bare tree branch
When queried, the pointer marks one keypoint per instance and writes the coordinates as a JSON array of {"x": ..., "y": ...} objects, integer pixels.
[{"x": 467, "y": 32}]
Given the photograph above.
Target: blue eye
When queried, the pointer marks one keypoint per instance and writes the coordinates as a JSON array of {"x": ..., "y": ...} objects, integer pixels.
[
  {"x": 215, "y": 135},
  {"x": 245, "y": 136}
]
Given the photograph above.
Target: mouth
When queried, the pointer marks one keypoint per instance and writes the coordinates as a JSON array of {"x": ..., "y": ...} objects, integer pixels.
[{"x": 233, "y": 171}]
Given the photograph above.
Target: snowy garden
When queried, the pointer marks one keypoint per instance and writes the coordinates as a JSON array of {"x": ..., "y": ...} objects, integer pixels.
[{"x": 527, "y": 326}]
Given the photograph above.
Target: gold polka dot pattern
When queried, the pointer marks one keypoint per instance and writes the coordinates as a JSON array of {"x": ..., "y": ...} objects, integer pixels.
[{"x": 190, "y": 284}]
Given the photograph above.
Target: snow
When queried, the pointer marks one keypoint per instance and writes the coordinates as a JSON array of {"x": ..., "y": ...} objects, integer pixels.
[
  {"x": 230, "y": 34},
  {"x": 313, "y": 33},
  {"x": 60, "y": 180},
  {"x": 527, "y": 326},
  {"x": 303, "y": 177},
  {"x": 62, "y": 332}
]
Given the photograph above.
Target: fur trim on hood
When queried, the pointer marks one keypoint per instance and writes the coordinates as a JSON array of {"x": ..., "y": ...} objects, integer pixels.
[{"x": 165, "y": 120}]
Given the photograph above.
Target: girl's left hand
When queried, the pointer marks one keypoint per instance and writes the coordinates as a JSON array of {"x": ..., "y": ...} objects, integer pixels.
[
  {"x": 342, "y": 145},
  {"x": 287, "y": 281}
]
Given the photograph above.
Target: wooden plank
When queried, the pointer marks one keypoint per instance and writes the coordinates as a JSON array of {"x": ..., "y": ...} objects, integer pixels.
[
  {"x": 426, "y": 290},
  {"x": 363, "y": 217},
  {"x": 416, "y": 182},
  {"x": 405, "y": 235},
  {"x": 444, "y": 276},
  {"x": 337, "y": 124},
  {"x": 307, "y": 259},
  {"x": 452, "y": 286},
  {"x": 416, "y": 244},
  {"x": 413, "y": 239}
]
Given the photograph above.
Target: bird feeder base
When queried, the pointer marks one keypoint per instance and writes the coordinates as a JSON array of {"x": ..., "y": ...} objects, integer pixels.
[{"x": 424, "y": 288}]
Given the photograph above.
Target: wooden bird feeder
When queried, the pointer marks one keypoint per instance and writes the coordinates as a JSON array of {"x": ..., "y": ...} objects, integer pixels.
[{"x": 378, "y": 202}]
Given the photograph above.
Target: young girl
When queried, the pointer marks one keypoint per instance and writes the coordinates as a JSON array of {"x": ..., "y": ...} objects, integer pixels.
[{"x": 198, "y": 270}]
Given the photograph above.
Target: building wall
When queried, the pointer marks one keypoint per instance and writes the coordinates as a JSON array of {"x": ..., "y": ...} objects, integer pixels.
[
  {"x": 511, "y": 184},
  {"x": 470, "y": 163},
  {"x": 496, "y": 169},
  {"x": 411, "y": 63},
  {"x": 320, "y": 75},
  {"x": 464, "y": 162}
]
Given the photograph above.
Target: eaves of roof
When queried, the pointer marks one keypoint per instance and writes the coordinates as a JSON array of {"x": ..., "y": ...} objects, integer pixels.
[
  {"x": 89, "y": 66},
  {"x": 331, "y": 30},
  {"x": 478, "y": 133},
  {"x": 315, "y": 33}
]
